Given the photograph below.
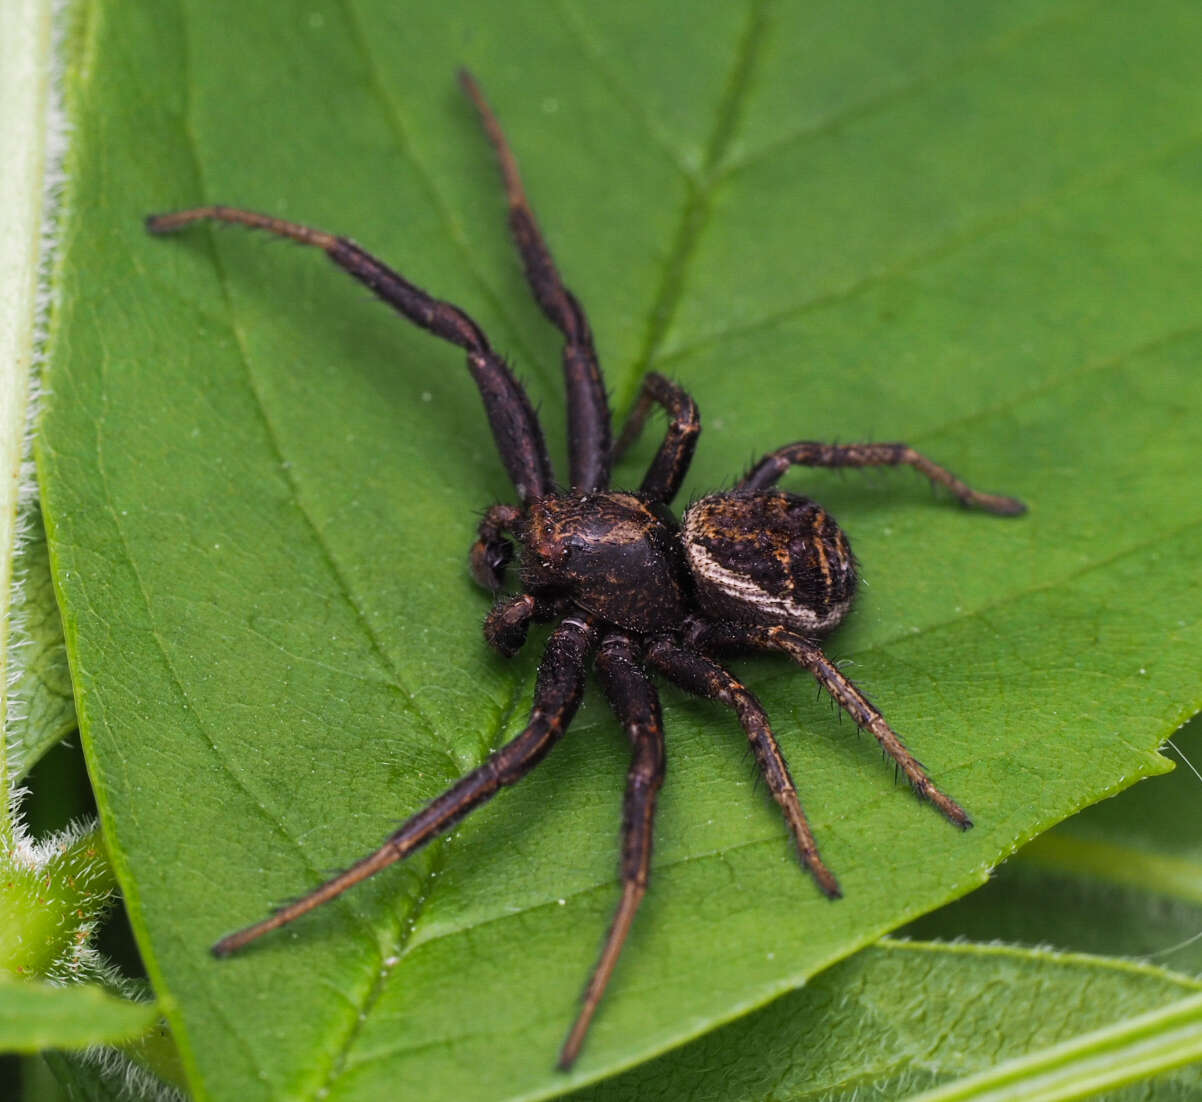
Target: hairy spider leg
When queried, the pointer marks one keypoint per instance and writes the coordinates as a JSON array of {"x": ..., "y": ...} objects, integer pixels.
[
  {"x": 636, "y": 704},
  {"x": 846, "y": 694},
  {"x": 515, "y": 427},
  {"x": 809, "y": 453},
  {"x": 557, "y": 694},
  {"x": 671, "y": 462},
  {"x": 588, "y": 410},
  {"x": 697, "y": 674}
]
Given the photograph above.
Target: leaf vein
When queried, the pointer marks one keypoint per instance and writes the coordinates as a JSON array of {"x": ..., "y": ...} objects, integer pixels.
[
  {"x": 919, "y": 259},
  {"x": 873, "y": 105}
]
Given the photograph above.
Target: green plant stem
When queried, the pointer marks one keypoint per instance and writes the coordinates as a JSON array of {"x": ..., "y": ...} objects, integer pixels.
[{"x": 48, "y": 903}]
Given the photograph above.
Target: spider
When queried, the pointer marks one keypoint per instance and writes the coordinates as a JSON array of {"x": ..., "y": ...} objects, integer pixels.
[{"x": 625, "y": 583}]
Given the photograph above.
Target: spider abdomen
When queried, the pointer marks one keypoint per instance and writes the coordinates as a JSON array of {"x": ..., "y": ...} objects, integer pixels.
[
  {"x": 769, "y": 557},
  {"x": 616, "y": 555}
]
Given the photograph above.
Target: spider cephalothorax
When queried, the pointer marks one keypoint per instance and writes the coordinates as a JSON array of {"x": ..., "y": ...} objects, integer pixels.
[
  {"x": 753, "y": 567},
  {"x": 587, "y": 549}
]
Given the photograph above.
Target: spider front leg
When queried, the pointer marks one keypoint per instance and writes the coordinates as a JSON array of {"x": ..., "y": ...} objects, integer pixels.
[
  {"x": 696, "y": 674},
  {"x": 671, "y": 462},
  {"x": 636, "y": 704},
  {"x": 845, "y": 693},
  {"x": 557, "y": 695},
  {"x": 515, "y": 427},
  {"x": 809, "y": 453},
  {"x": 588, "y": 409}
]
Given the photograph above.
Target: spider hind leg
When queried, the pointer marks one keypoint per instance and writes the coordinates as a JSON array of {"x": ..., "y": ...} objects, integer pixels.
[
  {"x": 697, "y": 674},
  {"x": 845, "y": 693}
]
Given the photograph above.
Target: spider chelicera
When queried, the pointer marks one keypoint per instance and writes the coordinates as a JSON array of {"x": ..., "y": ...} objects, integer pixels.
[{"x": 753, "y": 567}]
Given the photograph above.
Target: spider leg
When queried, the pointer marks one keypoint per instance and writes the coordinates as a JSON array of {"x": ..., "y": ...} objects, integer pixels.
[
  {"x": 556, "y": 696},
  {"x": 808, "y": 453},
  {"x": 588, "y": 409},
  {"x": 636, "y": 704},
  {"x": 696, "y": 674},
  {"x": 847, "y": 695},
  {"x": 515, "y": 427},
  {"x": 671, "y": 462}
]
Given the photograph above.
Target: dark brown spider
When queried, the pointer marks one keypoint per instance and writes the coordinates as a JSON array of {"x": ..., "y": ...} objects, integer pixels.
[{"x": 752, "y": 567}]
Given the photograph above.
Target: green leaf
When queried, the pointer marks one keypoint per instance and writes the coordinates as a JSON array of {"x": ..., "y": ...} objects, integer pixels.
[
  {"x": 41, "y": 708},
  {"x": 1123, "y": 878},
  {"x": 1046, "y": 896},
  {"x": 146, "y": 1067},
  {"x": 902, "y": 1017},
  {"x": 965, "y": 226},
  {"x": 25, "y": 135},
  {"x": 81, "y": 1078},
  {"x": 1104, "y": 1059},
  {"x": 34, "y": 1016}
]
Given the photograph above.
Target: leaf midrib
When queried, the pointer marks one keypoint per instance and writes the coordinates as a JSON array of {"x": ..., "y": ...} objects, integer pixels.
[{"x": 696, "y": 211}]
